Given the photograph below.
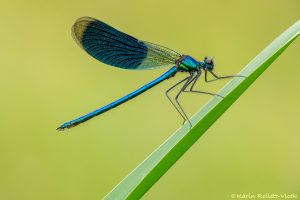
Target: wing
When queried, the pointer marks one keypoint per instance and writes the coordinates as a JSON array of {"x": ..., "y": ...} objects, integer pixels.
[{"x": 118, "y": 49}]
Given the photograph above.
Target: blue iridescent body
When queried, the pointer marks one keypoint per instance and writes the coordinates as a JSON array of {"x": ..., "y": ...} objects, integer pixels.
[{"x": 118, "y": 49}]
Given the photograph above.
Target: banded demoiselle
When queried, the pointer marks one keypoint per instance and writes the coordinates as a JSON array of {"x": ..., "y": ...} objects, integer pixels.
[{"x": 121, "y": 50}]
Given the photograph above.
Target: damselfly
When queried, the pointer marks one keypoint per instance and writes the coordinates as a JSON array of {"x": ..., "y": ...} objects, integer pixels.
[{"x": 121, "y": 50}]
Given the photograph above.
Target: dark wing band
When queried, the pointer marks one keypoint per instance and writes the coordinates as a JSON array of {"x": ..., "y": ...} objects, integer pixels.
[{"x": 118, "y": 49}]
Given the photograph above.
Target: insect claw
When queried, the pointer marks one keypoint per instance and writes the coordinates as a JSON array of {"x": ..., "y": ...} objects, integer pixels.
[{"x": 219, "y": 96}]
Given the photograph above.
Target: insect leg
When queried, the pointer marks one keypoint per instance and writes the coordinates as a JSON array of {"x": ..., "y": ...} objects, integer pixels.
[
  {"x": 219, "y": 77},
  {"x": 166, "y": 93},
  {"x": 187, "y": 83},
  {"x": 197, "y": 91}
]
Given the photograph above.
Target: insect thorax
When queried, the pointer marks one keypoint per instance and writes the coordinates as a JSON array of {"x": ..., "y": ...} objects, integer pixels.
[{"x": 187, "y": 63}]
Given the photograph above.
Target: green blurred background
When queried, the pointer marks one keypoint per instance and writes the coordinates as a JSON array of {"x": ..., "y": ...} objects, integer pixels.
[{"x": 46, "y": 79}]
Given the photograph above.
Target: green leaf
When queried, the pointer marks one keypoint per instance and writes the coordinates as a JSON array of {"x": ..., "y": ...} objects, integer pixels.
[{"x": 140, "y": 180}]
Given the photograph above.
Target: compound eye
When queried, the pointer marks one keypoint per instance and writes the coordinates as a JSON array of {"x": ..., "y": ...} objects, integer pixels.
[{"x": 208, "y": 61}]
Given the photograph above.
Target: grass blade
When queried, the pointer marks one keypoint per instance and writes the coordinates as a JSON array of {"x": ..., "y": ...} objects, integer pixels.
[{"x": 140, "y": 180}]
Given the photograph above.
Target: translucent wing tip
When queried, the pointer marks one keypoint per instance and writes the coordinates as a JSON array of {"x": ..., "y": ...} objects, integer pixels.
[{"x": 79, "y": 28}]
